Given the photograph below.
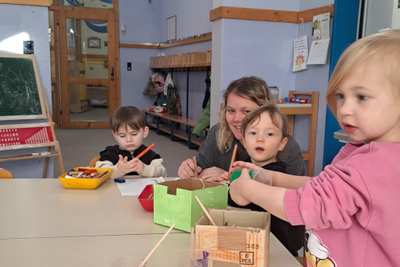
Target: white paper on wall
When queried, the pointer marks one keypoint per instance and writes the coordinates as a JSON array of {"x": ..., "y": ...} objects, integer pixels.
[{"x": 300, "y": 53}]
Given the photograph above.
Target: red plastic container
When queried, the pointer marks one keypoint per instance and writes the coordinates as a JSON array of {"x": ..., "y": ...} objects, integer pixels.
[{"x": 144, "y": 200}]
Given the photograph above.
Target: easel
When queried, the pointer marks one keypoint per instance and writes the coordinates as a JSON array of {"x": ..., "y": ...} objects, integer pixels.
[{"x": 31, "y": 135}]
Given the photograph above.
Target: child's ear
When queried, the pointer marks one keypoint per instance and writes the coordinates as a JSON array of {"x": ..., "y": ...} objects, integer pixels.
[
  {"x": 283, "y": 144},
  {"x": 145, "y": 131},
  {"x": 244, "y": 142},
  {"x": 114, "y": 134}
]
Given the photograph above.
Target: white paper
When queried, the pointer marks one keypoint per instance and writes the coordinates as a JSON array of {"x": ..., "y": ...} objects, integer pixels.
[
  {"x": 133, "y": 187},
  {"x": 320, "y": 44},
  {"x": 318, "y": 52},
  {"x": 300, "y": 53},
  {"x": 321, "y": 26}
]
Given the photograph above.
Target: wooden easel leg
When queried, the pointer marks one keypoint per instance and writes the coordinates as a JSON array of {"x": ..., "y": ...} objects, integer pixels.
[
  {"x": 60, "y": 160},
  {"x": 46, "y": 164}
]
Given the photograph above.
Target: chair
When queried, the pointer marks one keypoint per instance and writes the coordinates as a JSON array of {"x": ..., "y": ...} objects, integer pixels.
[
  {"x": 5, "y": 174},
  {"x": 303, "y": 260},
  {"x": 93, "y": 161}
]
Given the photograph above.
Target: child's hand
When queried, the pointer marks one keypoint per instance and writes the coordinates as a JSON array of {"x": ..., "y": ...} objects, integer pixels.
[
  {"x": 247, "y": 165},
  {"x": 224, "y": 178},
  {"x": 137, "y": 166},
  {"x": 123, "y": 165},
  {"x": 236, "y": 188}
]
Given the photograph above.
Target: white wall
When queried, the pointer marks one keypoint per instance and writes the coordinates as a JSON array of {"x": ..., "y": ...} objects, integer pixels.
[{"x": 34, "y": 22}]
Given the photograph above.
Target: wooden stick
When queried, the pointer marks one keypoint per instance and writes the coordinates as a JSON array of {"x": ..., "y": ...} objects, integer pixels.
[
  {"x": 192, "y": 244},
  {"x": 195, "y": 167},
  {"x": 144, "y": 151},
  {"x": 233, "y": 158},
  {"x": 158, "y": 244},
  {"x": 205, "y": 211}
]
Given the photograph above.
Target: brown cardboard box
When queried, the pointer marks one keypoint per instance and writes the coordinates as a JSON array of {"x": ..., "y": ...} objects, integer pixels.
[
  {"x": 243, "y": 242},
  {"x": 197, "y": 58}
]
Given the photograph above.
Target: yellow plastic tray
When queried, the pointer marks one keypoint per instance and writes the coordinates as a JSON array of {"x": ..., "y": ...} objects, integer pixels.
[{"x": 82, "y": 183}]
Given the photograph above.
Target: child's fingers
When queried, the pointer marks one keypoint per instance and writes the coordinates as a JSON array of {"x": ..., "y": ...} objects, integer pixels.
[
  {"x": 245, "y": 174},
  {"x": 247, "y": 165},
  {"x": 120, "y": 158}
]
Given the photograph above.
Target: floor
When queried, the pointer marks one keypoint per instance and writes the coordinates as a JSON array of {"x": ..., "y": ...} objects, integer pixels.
[{"x": 79, "y": 146}]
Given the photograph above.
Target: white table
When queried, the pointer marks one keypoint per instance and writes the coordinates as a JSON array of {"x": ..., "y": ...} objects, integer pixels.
[{"x": 44, "y": 224}]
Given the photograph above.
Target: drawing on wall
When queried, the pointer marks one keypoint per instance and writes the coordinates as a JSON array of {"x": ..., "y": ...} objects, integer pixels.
[
  {"x": 171, "y": 28},
  {"x": 94, "y": 42}
]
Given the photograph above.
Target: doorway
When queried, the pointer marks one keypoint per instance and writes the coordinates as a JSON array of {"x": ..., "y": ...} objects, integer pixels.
[{"x": 86, "y": 83}]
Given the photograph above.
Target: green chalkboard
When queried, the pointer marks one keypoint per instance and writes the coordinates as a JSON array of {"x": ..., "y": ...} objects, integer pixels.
[{"x": 20, "y": 89}]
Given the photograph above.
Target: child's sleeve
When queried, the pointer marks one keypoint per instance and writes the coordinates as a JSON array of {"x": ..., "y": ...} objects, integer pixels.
[
  {"x": 330, "y": 199},
  {"x": 154, "y": 169},
  {"x": 108, "y": 164}
]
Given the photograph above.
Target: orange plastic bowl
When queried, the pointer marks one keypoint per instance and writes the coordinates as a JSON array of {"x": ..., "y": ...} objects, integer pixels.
[{"x": 146, "y": 203}]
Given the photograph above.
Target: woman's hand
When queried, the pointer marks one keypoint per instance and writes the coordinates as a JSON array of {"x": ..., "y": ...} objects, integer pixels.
[
  {"x": 237, "y": 188},
  {"x": 186, "y": 170},
  {"x": 211, "y": 174}
]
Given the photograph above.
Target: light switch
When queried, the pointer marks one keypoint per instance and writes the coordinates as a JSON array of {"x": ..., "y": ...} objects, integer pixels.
[{"x": 129, "y": 66}]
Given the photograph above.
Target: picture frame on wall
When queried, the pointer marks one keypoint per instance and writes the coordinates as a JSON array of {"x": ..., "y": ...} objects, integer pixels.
[
  {"x": 94, "y": 42},
  {"x": 171, "y": 28}
]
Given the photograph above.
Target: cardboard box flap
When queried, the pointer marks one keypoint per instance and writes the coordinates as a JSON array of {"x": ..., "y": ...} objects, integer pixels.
[
  {"x": 191, "y": 184},
  {"x": 239, "y": 218}
]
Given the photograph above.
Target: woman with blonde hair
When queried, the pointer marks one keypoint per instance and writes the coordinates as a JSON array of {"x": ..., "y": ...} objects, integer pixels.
[{"x": 241, "y": 97}]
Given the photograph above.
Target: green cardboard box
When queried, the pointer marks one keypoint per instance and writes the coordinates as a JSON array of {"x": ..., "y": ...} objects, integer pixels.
[{"x": 175, "y": 202}]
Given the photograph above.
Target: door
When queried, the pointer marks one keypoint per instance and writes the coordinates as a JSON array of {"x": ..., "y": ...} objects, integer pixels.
[{"x": 87, "y": 48}]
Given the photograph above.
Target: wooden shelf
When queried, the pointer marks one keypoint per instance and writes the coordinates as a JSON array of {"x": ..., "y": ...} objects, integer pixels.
[
  {"x": 191, "y": 139},
  {"x": 198, "y": 65}
]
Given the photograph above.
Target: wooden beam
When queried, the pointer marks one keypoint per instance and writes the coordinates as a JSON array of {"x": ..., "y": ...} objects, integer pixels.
[
  {"x": 27, "y": 2},
  {"x": 253, "y": 14},
  {"x": 139, "y": 46},
  {"x": 225, "y": 12},
  {"x": 189, "y": 41},
  {"x": 307, "y": 15},
  {"x": 184, "y": 42},
  {"x": 83, "y": 12}
]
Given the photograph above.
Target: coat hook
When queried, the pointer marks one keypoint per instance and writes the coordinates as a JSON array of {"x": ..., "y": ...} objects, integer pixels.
[{"x": 302, "y": 20}]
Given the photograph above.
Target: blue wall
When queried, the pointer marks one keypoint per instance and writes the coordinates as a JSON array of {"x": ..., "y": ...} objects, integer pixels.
[{"x": 344, "y": 33}]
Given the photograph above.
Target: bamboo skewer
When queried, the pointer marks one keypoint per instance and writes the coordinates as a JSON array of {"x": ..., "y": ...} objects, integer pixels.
[
  {"x": 205, "y": 211},
  {"x": 195, "y": 167},
  {"x": 192, "y": 244},
  {"x": 158, "y": 244},
  {"x": 233, "y": 159}
]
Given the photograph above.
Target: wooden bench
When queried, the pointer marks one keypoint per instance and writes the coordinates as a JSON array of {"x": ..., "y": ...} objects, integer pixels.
[{"x": 171, "y": 131}]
